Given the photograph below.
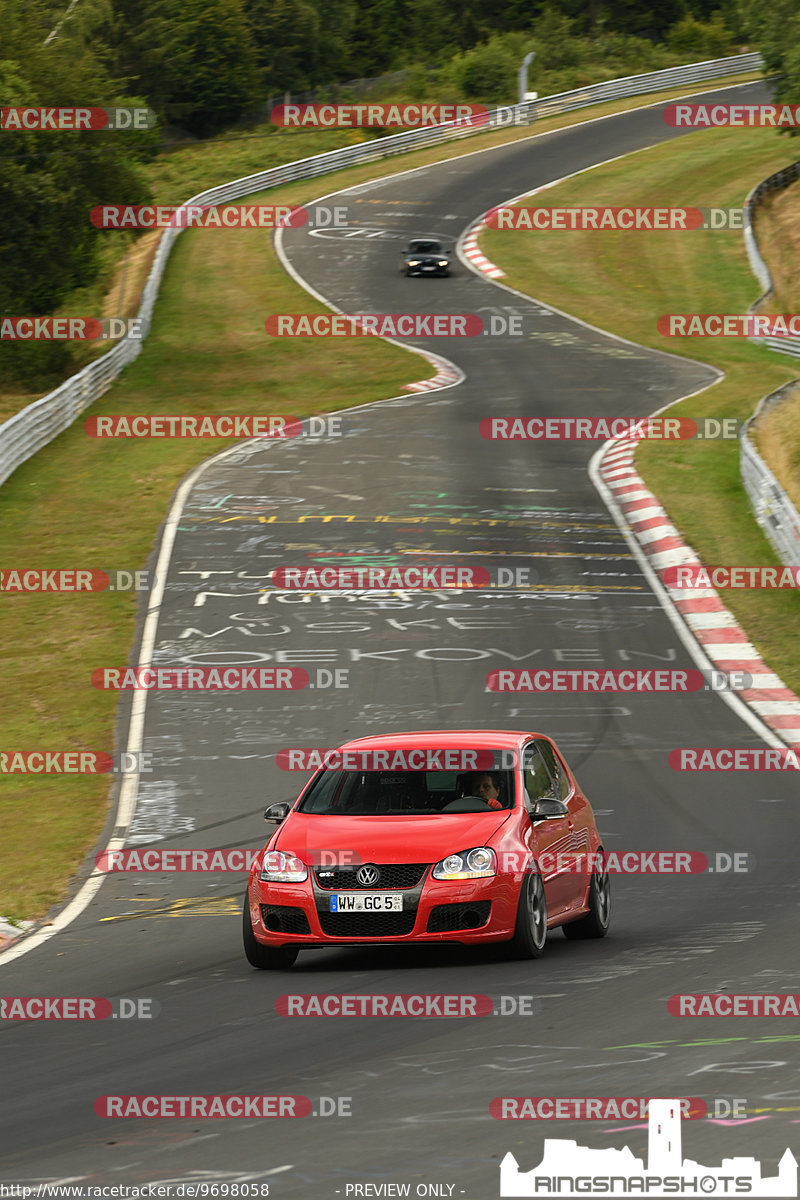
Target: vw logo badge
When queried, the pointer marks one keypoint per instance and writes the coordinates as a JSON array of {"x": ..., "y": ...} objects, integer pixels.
[{"x": 368, "y": 875}]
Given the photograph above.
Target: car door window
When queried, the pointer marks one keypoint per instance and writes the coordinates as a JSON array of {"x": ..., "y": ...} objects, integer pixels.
[
  {"x": 556, "y": 770},
  {"x": 539, "y": 782}
]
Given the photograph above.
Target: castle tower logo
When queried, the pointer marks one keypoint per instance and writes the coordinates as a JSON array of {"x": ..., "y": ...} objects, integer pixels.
[{"x": 568, "y": 1169}]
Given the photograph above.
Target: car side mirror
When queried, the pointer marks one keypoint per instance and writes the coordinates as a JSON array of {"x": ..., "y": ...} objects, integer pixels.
[
  {"x": 548, "y": 809},
  {"x": 277, "y": 812}
]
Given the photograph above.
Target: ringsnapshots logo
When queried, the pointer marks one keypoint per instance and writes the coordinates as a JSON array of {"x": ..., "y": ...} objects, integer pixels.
[{"x": 567, "y": 1169}]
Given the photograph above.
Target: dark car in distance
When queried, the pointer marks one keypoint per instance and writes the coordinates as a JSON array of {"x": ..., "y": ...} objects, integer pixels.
[{"x": 425, "y": 256}]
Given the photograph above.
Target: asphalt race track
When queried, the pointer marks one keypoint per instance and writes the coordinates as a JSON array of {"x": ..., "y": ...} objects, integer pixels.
[{"x": 412, "y": 478}]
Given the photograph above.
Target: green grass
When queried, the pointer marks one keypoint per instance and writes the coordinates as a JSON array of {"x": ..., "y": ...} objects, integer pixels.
[{"x": 624, "y": 281}]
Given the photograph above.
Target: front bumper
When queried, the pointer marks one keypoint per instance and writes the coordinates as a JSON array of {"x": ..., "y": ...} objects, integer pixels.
[{"x": 470, "y": 911}]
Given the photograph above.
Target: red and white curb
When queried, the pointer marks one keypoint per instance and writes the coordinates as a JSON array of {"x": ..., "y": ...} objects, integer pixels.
[
  {"x": 477, "y": 258},
  {"x": 9, "y": 933},
  {"x": 447, "y": 374},
  {"x": 710, "y": 623}
]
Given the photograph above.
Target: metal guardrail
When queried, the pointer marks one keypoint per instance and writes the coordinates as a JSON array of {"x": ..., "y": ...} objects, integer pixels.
[
  {"x": 773, "y": 183},
  {"x": 35, "y": 426},
  {"x": 774, "y": 511}
]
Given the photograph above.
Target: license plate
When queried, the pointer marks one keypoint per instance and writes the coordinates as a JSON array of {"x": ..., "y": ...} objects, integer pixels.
[
  {"x": 367, "y": 902},
  {"x": 429, "y": 268}
]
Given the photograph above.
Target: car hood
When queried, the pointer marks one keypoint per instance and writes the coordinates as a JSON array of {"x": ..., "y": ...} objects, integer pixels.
[{"x": 388, "y": 839}]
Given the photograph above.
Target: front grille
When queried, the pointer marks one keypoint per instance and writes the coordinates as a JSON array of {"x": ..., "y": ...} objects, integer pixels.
[
  {"x": 367, "y": 924},
  {"x": 447, "y": 918},
  {"x": 394, "y": 877},
  {"x": 283, "y": 919}
]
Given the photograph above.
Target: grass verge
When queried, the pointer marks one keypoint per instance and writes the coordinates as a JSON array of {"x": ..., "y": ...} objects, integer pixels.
[{"x": 623, "y": 282}]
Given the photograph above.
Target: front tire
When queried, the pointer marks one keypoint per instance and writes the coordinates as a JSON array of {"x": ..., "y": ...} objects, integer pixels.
[
  {"x": 264, "y": 958},
  {"x": 596, "y": 922},
  {"x": 530, "y": 933}
]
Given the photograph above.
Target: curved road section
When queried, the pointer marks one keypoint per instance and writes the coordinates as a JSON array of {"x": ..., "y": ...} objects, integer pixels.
[{"x": 411, "y": 480}]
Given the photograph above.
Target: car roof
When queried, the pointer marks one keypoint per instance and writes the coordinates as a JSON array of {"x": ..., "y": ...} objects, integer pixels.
[{"x": 445, "y": 739}]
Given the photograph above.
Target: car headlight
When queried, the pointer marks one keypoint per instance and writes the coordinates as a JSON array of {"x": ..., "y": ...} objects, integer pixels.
[
  {"x": 478, "y": 863},
  {"x": 281, "y": 866},
  {"x": 443, "y": 262},
  {"x": 413, "y": 262}
]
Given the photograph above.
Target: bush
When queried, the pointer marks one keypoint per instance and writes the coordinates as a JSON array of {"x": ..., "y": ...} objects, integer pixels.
[{"x": 697, "y": 40}]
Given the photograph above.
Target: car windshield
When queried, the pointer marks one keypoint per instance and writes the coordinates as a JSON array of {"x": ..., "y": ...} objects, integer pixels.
[
  {"x": 425, "y": 248},
  {"x": 408, "y": 793}
]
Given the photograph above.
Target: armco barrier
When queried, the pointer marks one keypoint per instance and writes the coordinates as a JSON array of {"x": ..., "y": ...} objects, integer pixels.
[
  {"x": 29, "y": 430},
  {"x": 774, "y": 511},
  {"x": 773, "y": 183}
]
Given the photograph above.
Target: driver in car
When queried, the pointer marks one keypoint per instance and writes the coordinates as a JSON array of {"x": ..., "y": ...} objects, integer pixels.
[{"x": 486, "y": 786}]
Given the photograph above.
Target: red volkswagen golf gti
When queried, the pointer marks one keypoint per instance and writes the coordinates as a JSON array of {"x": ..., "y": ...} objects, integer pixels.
[{"x": 470, "y": 836}]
